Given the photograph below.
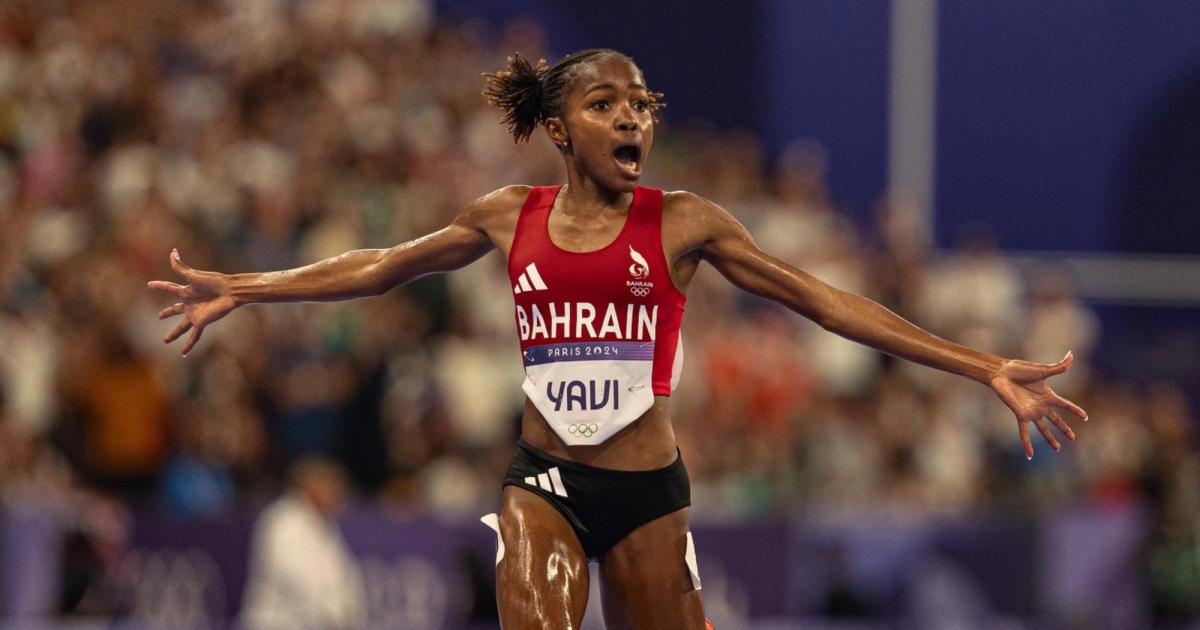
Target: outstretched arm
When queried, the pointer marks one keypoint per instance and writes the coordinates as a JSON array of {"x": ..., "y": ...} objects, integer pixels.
[
  {"x": 208, "y": 296},
  {"x": 1020, "y": 384}
]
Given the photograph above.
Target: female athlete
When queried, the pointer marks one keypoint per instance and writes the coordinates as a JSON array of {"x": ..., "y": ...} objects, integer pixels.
[{"x": 599, "y": 269}]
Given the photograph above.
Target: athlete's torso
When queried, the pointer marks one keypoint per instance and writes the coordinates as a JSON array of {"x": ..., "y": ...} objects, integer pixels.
[{"x": 599, "y": 330}]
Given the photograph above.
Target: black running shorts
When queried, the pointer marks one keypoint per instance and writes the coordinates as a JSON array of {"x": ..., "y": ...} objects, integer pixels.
[{"x": 602, "y": 505}]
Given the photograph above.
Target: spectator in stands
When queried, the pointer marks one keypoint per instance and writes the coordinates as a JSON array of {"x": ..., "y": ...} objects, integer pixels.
[{"x": 302, "y": 574}]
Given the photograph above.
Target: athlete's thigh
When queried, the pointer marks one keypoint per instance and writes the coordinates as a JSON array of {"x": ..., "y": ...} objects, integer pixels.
[
  {"x": 542, "y": 580},
  {"x": 646, "y": 582}
]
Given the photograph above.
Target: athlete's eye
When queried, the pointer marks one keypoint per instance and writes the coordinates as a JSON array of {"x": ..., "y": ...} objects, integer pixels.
[
  {"x": 601, "y": 106},
  {"x": 641, "y": 106}
]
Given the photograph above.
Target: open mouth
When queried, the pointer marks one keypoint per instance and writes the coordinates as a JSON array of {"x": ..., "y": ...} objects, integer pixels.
[{"x": 629, "y": 157}]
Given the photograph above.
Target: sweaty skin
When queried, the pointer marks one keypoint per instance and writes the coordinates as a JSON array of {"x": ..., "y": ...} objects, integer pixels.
[{"x": 543, "y": 578}]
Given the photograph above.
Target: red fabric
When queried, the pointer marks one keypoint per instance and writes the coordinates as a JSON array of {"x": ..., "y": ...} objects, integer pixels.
[{"x": 609, "y": 275}]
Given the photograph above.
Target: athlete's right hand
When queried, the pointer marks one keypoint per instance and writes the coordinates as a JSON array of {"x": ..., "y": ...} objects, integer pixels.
[{"x": 203, "y": 300}]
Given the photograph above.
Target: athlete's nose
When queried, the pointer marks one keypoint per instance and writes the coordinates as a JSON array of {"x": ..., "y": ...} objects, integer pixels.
[{"x": 625, "y": 120}]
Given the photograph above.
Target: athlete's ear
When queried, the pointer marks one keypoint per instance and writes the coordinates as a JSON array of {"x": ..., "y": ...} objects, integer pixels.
[{"x": 557, "y": 130}]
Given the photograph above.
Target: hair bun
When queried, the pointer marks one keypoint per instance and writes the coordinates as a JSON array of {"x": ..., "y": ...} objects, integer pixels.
[{"x": 518, "y": 90}]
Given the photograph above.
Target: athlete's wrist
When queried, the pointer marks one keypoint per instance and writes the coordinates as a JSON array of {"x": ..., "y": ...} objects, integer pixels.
[
  {"x": 245, "y": 288},
  {"x": 990, "y": 368}
]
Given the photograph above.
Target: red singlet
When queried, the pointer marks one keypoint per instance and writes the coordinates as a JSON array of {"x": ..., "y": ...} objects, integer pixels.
[{"x": 599, "y": 330}]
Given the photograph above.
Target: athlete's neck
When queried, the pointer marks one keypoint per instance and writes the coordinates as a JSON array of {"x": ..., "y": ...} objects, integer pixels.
[
  {"x": 583, "y": 195},
  {"x": 586, "y": 204}
]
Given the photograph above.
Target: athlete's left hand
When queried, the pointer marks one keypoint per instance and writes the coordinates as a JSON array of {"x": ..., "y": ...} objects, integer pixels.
[
  {"x": 1022, "y": 386},
  {"x": 202, "y": 301}
]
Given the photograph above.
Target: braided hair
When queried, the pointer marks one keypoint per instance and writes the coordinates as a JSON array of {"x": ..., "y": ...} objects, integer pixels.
[{"x": 530, "y": 94}]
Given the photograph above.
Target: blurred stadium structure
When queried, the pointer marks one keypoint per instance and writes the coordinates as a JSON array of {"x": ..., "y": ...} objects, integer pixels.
[{"x": 1042, "y": 163}]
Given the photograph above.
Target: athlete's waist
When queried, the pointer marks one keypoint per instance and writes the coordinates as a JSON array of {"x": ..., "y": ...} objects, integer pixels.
[
  {"x": 647, "y": 443},
  {"x": 570, "y": 464}
]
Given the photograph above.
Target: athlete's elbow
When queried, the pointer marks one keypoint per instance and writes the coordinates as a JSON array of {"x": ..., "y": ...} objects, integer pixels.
[
  {"x": 829, "y": 319},
  {"x": 376, "y": 289},
  {"x": 847, "y": 314},
  {"x": 390, "y": 269},
  {"x": 372, "y": 281},
  {"x": 827, "y": 311},
  {"x": 387, "y": 282}
]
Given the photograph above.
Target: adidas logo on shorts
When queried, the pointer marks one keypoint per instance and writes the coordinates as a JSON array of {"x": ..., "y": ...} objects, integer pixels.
[
  {"x": 529, "y": 280},
  {"x": 550, "y": 481}
]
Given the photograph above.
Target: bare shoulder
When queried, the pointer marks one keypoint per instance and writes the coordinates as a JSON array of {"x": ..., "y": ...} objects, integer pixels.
[
  {"x": 685, "y": 202},
  {"x": 684, "y": 205},
  {"x": 506, "y": 198},
  {"x": 495, "y": 215},
  {"x": 697, "y": 219},
  {"x": 499, "y": 205}
]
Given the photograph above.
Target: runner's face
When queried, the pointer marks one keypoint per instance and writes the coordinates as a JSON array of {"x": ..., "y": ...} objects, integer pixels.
[{"x": 606, "y": 115}]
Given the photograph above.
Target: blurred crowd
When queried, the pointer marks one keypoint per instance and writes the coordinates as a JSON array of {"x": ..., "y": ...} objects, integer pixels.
[{"x": 263, "y": 134}]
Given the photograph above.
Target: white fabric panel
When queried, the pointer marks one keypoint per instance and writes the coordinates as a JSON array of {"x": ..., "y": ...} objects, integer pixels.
[
  {"x": 583, "y": 424},
  {"x": 689, "y": 557},
  {"x": 677, "y": 365},
  {"x": 493, "y": 521}
]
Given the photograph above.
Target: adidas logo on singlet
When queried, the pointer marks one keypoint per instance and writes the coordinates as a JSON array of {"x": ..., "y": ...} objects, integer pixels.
[
  {"x": 529, "y": 280},
  {"x": 550, "y": 481}
]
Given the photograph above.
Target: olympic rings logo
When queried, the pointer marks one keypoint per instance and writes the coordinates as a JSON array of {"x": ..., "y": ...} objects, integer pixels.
[
  {"x": 583, "y": 430},
  {"x": 639, "y": 291}
]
